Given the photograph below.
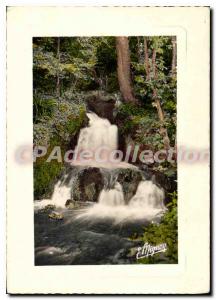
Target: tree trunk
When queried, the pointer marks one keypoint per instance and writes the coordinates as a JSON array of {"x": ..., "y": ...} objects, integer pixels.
[
  {"x": 174, "y": 56},
  {"x": 123, "y": 69},
  {"x": 58, "y": 73},
  {"x": 163, "y": 130},
  {"x": 146, "y": 59}
]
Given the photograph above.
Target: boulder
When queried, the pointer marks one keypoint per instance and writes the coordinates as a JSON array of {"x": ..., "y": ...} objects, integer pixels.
[
  {"x": 166, "y": 180},
  {"x": 87, "y": 185},
  {"x": 87, "y": 182},
  {"x": 129, "y": 179},
  {"x": 102, "y": 105},
  {"x": 70, "y": 204},
  {"x": 47, "y": 209},
  {"x": 56, "y": 216}
]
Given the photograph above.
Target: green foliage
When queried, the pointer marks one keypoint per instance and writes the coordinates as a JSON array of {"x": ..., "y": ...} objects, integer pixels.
[
  {"x": 44, "y": 175},
  {"x": 64, "y": 122},
  {"x": 43, "y": 107},
  {"x": 145, "y": 125},
  {"x": 54, "y": 131},
  {"x": 74, "y": 123},
  {"x": 84, "y": 64},
  {"x": 164, "y": 232},
  {"x": 130, "y": 109},
  {"x": 165, "y": 82},
  {"x": 147, "y": 131},
  {"x": 130, "y": 115}
]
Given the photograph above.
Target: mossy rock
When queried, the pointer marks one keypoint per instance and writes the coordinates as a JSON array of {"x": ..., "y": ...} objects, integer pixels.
[
  {"x": 56, "y": 216},
  {"x": 88, "y": 185},
  {"x": 129, "y": 179},
  {"x": 70, "y": 204},
  {"x": 47, "y": 209}
]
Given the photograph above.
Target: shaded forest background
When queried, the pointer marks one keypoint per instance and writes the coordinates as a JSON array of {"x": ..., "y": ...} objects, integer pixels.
[{"x": 139, "y": 73}]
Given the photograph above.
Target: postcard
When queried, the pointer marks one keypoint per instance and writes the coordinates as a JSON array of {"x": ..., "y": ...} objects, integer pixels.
[{"x": 108, "y": 150}]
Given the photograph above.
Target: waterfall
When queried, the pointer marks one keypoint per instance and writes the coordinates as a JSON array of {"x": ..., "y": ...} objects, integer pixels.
[
  {"x": 98, "y": 141},
  {"x": 100, "y": 133},
  {"x": 59, "y": 197},
  {"x": 146, "y": 204},
  {"x": 112, "y": 197},
  {"x": 61, "y": 194},
  {"x": 148, "y": 196}
]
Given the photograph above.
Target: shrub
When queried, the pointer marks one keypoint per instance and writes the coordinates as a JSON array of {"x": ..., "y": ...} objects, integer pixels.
[
  {"x": 43, "y": 106},
  {"x": 50, "y": 132},
  {"x": 129, "y": 109},
  {"x": 164, "y": 232}
]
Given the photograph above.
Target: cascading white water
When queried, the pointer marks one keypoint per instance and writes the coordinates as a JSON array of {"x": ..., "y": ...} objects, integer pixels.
[
  {"x": 100, "y": 140},
  {"x": 59, "y": 197},
  {"x": 112, "y": 197},
  {"x": 146, "y": 204},
  {"x": 148, "y": 196},
  {"x": 61, "y": 194},
  {"x": 63, "y": 191},
  {"x": 100, "y": 133}
]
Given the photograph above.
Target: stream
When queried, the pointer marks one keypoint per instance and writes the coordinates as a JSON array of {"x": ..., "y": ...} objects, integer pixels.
[
  {"x": 73, "y": 241},
  {"x": 120, "y": 200}
]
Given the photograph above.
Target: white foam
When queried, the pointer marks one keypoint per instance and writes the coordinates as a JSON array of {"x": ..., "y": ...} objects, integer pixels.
[{"x": 146, "y": 204}]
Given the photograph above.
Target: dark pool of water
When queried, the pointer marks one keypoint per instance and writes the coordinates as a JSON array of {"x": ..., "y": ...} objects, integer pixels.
[{"x": 77, "y": 242}]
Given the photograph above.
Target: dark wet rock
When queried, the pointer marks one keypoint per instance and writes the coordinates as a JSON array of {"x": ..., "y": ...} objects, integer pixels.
[
  {"x": 56, "y": 216},
  {"x": 129, "y": 179},
  {"x": 90, "y": 182},
  {"x": 47, "y": 209},
  {"x": 70, "y": 204},
  {"x": 102, "y": 105},
  {"x": 85, "y": 183},
  {"x": 122, "y": 144},
  {"x": 49, "y": 206},
  {"x": 166, "y": 180},
  {"x": 88, "y": 185}
]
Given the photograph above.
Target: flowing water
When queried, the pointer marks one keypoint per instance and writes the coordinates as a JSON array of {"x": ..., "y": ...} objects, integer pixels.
[
  {"x": 99, "y": 133},
  {"x": 99, "y": 233},
  {"x": 145, "y": 205},
  {"x": 100, "y": 141}
]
